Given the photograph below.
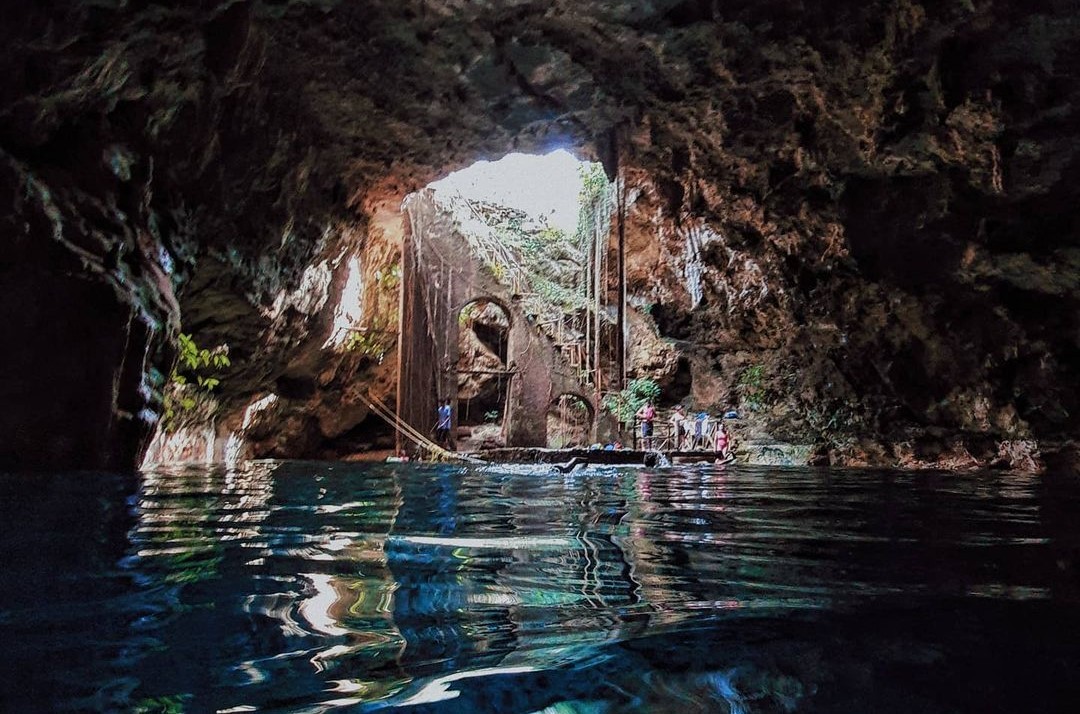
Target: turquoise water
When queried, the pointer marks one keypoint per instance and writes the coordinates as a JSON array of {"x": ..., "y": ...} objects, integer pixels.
[{"x": 312, "y": 587}]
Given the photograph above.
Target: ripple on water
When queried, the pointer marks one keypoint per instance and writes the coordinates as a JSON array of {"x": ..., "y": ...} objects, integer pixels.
[{"x": 301, "y": 586}]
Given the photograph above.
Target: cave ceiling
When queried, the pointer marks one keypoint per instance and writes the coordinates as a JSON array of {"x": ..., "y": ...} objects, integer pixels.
[{"x": 195, "y": 158}]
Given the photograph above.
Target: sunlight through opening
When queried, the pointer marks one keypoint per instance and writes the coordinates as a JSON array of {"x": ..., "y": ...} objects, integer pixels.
[{"x": 546, "y": 188}]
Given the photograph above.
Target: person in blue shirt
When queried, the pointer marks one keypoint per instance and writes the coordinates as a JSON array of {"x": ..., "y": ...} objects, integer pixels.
[
  {"x": 442, "y": 426},
  {"x": 701, "y": 431}
]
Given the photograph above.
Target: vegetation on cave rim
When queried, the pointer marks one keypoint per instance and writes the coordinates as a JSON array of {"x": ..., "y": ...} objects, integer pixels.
[
  {"x": 377, "y": 335},
  {"x": 625, "y": 403},
  {"x": 540, "y": 262},
  {"x": 188, "y": 395},
  {"x": 374, "y": 340}
]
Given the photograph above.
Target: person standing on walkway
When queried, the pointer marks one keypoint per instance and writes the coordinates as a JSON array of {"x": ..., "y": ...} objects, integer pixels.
[
  {"x": 678, "y": 428},
  {"x": 701, "y": 431},
  {"x": 442, "y": 426},
  {"x": 721, "y": 441},
  {"x": 646, "y": 414}
]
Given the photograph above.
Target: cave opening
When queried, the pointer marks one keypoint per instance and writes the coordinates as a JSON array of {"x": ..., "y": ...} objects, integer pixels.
[
  {"x": 537, "y": 223},
  {"x": 483, "y": 379},
  {"x": 503, "y": 260},
  {"x": 541, "y": 188}
]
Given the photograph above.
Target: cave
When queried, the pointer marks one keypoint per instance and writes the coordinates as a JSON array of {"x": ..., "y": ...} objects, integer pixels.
[
  {"x": 818, "y": 196},
  {"x": 233, "y": 294}
]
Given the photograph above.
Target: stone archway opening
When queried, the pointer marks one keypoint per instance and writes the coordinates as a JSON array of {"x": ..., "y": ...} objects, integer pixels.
[
  {"x": 484, "y": 325},
  {"x": 483, "y": 380},
  {"x": 569, "y": 422}
]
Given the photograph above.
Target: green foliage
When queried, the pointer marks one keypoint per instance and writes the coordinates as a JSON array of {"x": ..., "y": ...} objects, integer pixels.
[
  {"x": 370, "y": 343},
  {"x": 389, "y": 278},
  {"x": 752, "y": 376},
  {"x": 594, "y": 183},
  {"x": 470, "y": 313},
  {"x": 172, "y": 704},
  {"x": 374, "y": 340},
  {"x": 193, "y": 359},
  {"x": 594, "y": 214},
  {"x": 751, "y": 386},
  {"x": 623, "y": 405},
  {"x": 545, "y": 263},
  {"x": 552, "y": 293},
  {"x": 491, "y": 416},
  {"x": 196, "y": 375}
]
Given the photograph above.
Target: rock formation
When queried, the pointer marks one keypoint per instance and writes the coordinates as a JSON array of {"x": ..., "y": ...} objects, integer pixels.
[{"x": 853, "y": 218}]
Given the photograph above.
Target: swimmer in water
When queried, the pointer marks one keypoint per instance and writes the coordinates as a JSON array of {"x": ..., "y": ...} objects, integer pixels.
[{"x": 570, "y": 465}]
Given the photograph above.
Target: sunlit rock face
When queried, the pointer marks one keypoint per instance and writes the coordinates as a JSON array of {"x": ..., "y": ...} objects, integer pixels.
[{"x": 870, "y": 201}]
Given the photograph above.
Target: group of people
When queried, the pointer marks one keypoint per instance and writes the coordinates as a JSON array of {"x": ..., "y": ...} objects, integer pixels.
[
  {"x": 697, "y": 432},
  {"x": 688, "y": 432}
]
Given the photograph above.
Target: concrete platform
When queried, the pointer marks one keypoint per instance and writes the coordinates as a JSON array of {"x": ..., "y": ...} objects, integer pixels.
[{"x": 524, "y": 455}]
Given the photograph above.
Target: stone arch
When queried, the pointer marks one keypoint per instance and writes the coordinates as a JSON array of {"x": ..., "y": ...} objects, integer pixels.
[
  {"x": 499, "y": 321},
  {"x": 483, "y": 326},
  {"x": 570, "y": 419},
  {"x": 485, "y": 298}
]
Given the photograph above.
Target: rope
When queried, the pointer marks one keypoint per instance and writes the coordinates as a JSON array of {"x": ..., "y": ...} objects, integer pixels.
[
  {"x": 406, "y": 430},
  {"x": 403, "y": 427}
]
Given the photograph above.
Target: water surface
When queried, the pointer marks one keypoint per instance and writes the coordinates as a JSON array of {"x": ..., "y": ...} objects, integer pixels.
[{"x": 310, "y": 587}]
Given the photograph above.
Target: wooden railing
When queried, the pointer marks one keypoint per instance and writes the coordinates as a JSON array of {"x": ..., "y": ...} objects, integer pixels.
[{"x": 664, "y": 438}]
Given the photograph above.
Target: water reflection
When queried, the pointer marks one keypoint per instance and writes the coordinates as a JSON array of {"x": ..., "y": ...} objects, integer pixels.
[{"x": 307, "y": 587}]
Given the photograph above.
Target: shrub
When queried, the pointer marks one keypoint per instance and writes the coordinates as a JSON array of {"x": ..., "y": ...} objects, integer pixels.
[
  {"x": 373, "y": 343},
  {"x": 625, "y": 403},
  {"x": 751, "y": 386},
  {"x": 188, "y": 394}
]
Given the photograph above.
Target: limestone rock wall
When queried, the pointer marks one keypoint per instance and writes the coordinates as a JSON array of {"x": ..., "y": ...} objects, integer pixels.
[{"x": 870, "y": 200}]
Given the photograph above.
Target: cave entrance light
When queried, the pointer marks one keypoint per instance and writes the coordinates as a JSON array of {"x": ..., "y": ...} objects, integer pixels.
[
  {"x": 543, "y": 188},
  {"x": 528, "y": 234},
  {"x": 541, "y": 224}
]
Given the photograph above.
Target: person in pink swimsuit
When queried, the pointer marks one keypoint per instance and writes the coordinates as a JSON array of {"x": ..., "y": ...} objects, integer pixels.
[{"x": 721, "y": 440}]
